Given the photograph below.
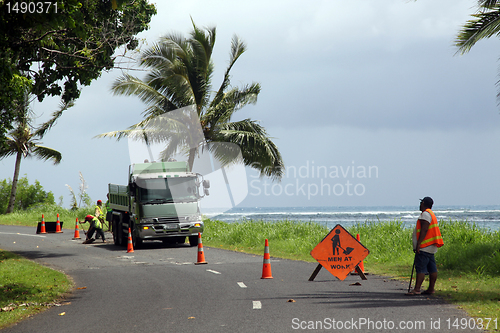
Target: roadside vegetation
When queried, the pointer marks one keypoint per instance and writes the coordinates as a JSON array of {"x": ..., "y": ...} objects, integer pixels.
[{"x": 469, "y": 263}]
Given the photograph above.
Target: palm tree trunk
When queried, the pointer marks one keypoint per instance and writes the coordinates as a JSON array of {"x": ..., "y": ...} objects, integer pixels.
[
  {"x": 12, "y": 199},
  {"x": 192, "y": 154}
]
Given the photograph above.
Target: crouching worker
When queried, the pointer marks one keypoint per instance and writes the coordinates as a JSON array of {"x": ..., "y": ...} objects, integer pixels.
[{"x": 95, "y": 226}]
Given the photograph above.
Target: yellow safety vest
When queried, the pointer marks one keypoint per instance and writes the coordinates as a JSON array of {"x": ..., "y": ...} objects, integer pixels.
[
  {"x": 97, "y": 223},
  {"x": 101, "y": 214}
]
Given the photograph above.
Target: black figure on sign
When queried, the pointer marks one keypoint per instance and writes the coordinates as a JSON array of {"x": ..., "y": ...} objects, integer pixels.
[{"x": 336, "y": 242}]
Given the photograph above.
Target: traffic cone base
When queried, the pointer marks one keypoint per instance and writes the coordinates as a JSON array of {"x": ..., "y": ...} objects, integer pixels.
[
  {"x": 201, "y": 254},
  {"x": 266, "y": 268},
  {"x": 130, "y": 245}
]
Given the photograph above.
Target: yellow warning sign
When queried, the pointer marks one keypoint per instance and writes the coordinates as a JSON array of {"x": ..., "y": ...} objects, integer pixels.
[{"x": 339, "y": 252}]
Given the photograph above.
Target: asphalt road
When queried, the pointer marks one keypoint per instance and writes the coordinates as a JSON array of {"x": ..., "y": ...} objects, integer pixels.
[{"x": 160, "y": 289}]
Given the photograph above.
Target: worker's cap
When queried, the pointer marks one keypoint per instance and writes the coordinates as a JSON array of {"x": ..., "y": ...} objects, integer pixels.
[
  {"x": 428, "y": 202},
  {"x": 99, "y": 202},
  {"x": 88, "y": 218}
]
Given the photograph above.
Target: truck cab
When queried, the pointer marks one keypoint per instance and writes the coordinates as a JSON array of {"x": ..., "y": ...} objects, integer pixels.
[{"x": 160, "y": 202}]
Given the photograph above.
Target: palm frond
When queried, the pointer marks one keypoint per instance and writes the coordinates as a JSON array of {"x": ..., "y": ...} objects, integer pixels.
[
  {"x": 172, "y": 147},
  {"x": 486, "y": 25},
  {"x": 163, "y": 54},
  {"x": 9, "y": 149},
  {"x": 257, "y": 148},
  {"x": 487, "y": 3},
  {"x": 231, "y": 102},
  {"x": 45, "y": 153},
  {"x": 238, "y": 47},
  {"x": 205, "y": 40},
  {"x": 115, "y": 134},
  {"x": 42, "y": 130},
  {"x": 129, "y": 85}
]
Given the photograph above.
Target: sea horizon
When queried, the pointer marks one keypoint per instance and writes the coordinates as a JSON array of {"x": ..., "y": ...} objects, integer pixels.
[{"x": 484, "y": 216}]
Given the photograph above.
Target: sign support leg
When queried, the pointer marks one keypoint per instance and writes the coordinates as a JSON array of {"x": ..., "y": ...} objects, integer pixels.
[
  {"x": 360, "y": 272},
  {"x": 316, "y": 271}
]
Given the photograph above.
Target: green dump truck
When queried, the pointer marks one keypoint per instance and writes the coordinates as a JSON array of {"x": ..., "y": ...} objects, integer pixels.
[{"x": 160, "y": 202}]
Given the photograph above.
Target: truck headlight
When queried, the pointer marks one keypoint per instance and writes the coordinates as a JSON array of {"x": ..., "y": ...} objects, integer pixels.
[{"x": 192, "y": 218}]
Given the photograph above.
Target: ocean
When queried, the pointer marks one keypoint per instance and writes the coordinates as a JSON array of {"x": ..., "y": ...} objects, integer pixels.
[{"x": 483, "y": 216}]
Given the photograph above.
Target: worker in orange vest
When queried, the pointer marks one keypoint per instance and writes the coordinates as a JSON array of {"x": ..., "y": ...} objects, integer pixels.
[{"x": 426, "y": 241}]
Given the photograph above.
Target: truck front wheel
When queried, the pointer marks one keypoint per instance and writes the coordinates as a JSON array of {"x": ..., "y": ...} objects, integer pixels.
[
  {"x": 136, "y": 241},
  {"x": 193, "y": 240}
]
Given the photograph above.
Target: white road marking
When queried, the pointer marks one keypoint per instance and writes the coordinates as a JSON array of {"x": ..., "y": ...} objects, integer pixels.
[
  {"x": 17, "y": 233},
  {"x": 241, "y": 284},
  {"x": 212, "y": 271},
  {"x": 257, "y": 305}
]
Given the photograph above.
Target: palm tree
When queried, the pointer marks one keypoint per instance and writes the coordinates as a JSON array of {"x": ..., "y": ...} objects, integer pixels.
[
  {"x": 486, "y": 23},
  {"x": 24, "y": 141},
  {"x": 180, "y": 76}
]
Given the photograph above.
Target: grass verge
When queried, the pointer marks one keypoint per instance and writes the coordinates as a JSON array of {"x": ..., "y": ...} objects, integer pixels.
[{"x": 27, "y": 288}]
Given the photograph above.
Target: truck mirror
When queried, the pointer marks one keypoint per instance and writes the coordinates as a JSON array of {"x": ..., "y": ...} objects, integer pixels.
[
  {"x": 206, "y": 191},
  {"x": 206, "y": 183},
  {"x": 131, "y": 189}
]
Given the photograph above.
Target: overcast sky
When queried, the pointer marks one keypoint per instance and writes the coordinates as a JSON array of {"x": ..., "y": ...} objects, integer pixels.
[{"x": 367, "y": 101}]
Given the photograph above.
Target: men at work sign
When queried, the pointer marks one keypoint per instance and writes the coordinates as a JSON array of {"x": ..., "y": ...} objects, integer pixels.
[{"x": 339, "y": 252}]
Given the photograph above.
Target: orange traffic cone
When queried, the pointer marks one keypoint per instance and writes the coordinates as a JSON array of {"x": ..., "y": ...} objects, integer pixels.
[
  {"x": 361, "y": 265},
  {"x": 77, "y": 231},
  {"x": 266, "y": 269},
  {"x": 58, "y": 225},
  {"x": 42, "y": 227},
  {"x": 130, "y": 246},
  {"x": 201, "y": 254}
]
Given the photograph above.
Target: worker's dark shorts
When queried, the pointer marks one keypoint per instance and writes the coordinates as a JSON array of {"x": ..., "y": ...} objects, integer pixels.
[{"x": 425, "y": 263}]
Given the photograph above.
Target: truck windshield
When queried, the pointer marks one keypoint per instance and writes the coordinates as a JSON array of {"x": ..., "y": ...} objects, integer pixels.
[{"x": 166, "y": 190}]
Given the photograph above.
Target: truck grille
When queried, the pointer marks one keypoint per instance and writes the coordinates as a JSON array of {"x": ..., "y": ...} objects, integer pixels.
[{"x": 168, "y": 219}]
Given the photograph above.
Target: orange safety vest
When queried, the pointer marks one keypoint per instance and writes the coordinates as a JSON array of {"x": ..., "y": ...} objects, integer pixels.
[{"x": 433, "y": 235}]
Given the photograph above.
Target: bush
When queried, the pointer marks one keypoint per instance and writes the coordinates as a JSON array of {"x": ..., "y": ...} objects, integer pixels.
[{"x": 27, "y": 196}]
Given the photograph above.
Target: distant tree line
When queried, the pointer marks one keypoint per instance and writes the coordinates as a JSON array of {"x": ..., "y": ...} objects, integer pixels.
[{"x": 28, "y": 195}]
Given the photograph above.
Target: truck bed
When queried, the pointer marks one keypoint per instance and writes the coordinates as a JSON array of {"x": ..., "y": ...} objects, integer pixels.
[{"x": 118, "y": 197}]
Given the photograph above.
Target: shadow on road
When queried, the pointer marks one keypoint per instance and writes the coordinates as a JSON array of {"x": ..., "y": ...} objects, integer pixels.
[
  {"x": 41, "y": 254},
  {"x": 148, "y": 245},
  {"x": 367, "y": 299}
]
